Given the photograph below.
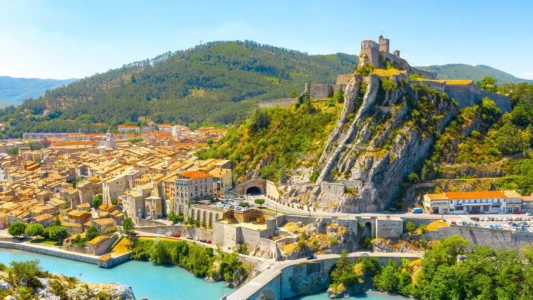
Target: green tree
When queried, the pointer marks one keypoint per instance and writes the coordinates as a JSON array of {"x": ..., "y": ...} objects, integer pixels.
[
  {"x": 58, "y": 233},
  {"x": 17, "y": 229},
  {"x": 410, "y": 226},
  {"x": 259, "y": 202},
  {"x": 91, "y": 233},
  {"x": 413, "y": 178},
  {"x": 128, "y": 226},
  {"x": 343, "y": 272},
  {"x": 97, "y": 201},
  {"x": 244, "y": 204},
  {"x": 34, "y": 229},
  {"x": 175, "y": 218},
  {"x": 488, "y": 84},
  {"x": 159, "y": 253},
  {"x": 13, "y": 151},
  {"x": 388, "y": 278}
]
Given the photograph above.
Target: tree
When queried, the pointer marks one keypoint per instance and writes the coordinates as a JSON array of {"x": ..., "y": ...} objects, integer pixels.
[
  {"x": 128, "y": 226},
  {"x": 244, "y": 204},
  {"x": 259, "y": 202},
  {"x": 413, "y": 178},
  {"x": 388, "y": 279},
  {"x": 17, "y": 229},
  {"x": 13, "y": 151},
  {"x": 58, "y": 233},
  {"x": 175, "y": 218},
  {"x": 488, "y": 84},
  {"x": 343, "y": 272},
  {"x": 97, "y": 201},
  {"x": 410, "y": 226},
  {"x": 91, "y": 233},
  {"x": 159, "y": 253},
  {"x": 35, "y": 229}
]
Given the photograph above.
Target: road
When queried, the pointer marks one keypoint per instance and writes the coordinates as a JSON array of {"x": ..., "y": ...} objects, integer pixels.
[
  {"x": 249, "y": 288},
  {"x": 304, "y": 212}
]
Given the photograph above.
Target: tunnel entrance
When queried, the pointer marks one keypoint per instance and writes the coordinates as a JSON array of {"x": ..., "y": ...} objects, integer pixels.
[
  {"x": 253, "y": 191},
  {"x": 368, "y": 229}
]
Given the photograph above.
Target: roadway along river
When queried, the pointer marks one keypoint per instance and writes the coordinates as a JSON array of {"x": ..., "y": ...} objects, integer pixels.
[{"x": 146, "y": 279}]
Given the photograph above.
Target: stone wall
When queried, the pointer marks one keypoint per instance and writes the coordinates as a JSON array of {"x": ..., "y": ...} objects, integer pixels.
[
  {"x": 468, "y": 95},
  {"x": 272, "y": 191},
  {"x": 183, "y": 230},
  {"x": 321, "y": 91},
  {"x": 114, "y": 261},
  {"x": 389, "y": 229},
  {"x": 354, "y": 184},
  {"x": 51, "y": 252},
  {"x": 484, "y": 237},
  {"x": 425, "y": 74}
]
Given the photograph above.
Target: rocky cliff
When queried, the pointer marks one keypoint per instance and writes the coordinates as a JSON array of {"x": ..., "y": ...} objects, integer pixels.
[{"x": 391, "y": 132}]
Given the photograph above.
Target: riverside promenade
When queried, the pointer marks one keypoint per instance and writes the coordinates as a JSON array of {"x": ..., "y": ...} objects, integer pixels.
[{"x": 271, "y": 284}]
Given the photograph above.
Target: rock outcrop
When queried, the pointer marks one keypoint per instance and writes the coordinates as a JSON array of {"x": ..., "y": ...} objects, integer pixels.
[{"x": 392, "y": 133}]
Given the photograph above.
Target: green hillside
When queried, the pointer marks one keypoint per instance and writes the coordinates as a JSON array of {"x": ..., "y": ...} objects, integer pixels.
[
  {"x": 217, "y": 82},
  {"x": 15, "y": 90},
  {"x": 476, "y": 73}
]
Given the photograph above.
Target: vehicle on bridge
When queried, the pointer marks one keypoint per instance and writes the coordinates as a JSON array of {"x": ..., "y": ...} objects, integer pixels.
[{"x": 417, "y": 210}]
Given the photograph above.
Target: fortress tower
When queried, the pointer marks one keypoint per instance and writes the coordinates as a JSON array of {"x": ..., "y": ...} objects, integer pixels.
[{"x": 383, "y": 44}]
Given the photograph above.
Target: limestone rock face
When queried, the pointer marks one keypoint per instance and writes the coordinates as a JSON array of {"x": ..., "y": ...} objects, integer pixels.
[{"x": 391, "y": 133}]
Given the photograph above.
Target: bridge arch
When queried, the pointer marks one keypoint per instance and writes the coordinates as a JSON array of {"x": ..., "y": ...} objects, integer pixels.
[
  {"x": 368, "y": 229},
  {"x": 266, "y": 295},
  {"x": 210, "y": 223},
  {"x": 204, "y": 217}
]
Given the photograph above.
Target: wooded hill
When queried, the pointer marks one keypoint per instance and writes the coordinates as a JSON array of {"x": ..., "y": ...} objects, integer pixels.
[{"x": 217, "y": 82}]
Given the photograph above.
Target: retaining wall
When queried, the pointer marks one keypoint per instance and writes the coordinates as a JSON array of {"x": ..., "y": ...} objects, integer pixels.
[
  {"x": 183, "y": 230},
  {"x": 50, "y": 252},
  {"x": 483, "y": 236}
]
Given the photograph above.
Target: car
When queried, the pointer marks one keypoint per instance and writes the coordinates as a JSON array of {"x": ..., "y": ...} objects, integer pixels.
[
  {"x": 196, "y": 239},
  {"x": 460, "y": 223},
  {"x": 202, "y": 240},
  {"x": 517, "y": 212},
  {"x": 176, "y": 235},
  {"x": 311, "y": 257},
  {"x": 189, "y": 237},
  {"x": 417, "y": 210},
  {"x": 208, "y": 242},
  {"x": 168, "y": 234},
  {"x": 453, "y": 223}
]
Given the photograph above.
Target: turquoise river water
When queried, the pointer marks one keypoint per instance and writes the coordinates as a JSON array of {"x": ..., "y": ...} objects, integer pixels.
[{"x": 146, "y": 279}]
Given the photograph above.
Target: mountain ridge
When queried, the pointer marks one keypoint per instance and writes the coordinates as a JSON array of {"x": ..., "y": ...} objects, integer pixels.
[
  {"x": 474, "y": 72},
  {"x": 14, "y": 90}
]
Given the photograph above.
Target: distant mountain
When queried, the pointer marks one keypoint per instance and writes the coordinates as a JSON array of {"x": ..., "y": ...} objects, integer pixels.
[
  {"x": 476, "y": 73},
  {"x": 15, "y": 90},
  {"x": 217, "y": 82}
]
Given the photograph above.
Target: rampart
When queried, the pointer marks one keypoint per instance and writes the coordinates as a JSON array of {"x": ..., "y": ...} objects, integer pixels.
[
  {"x": 495, "y": 238},
  {"x": 425, "y": 74}
]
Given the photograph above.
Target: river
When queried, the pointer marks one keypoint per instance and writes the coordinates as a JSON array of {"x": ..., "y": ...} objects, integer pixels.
[{"x": 147, "y": 279}]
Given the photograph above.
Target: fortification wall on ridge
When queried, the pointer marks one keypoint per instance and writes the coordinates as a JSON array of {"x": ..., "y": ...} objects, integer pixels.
[{"x": 425, "y": 74}]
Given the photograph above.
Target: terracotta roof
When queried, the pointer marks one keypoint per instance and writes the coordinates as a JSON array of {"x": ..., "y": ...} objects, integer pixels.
[
  {"x": 127, "y": 126},
  {"x": 475, "y": 195},
  {"x": 527, "y": 198},
  {"x": 196, "y": 174},
  {"x": 441, "y": 196}
]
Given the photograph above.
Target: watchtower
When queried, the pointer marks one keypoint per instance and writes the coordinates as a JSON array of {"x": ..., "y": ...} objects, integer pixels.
[{"x": 383, "y": 44}]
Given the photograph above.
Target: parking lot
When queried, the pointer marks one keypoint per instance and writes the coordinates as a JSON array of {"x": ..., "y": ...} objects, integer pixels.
[{"x": 513, "y": 223}]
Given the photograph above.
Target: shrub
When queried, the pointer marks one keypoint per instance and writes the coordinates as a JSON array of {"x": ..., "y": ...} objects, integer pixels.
[
  {"x": 333, "y": 241},
  {"x": 91, "y": 233},
  {"x": 410, "y": 226}
]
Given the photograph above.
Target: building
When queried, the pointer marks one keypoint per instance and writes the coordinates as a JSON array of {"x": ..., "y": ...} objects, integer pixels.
[
  {"x": 191, "y": 186},
  {"x": 472, "y": 202},
  {"x": 128, "y": 129}
]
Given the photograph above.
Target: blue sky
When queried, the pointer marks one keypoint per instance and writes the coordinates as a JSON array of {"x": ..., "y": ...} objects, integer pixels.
[{"x": 65, "y": 39}]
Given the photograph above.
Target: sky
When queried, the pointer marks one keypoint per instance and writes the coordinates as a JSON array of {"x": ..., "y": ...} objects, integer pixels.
[{"x": 75, "y": 39}]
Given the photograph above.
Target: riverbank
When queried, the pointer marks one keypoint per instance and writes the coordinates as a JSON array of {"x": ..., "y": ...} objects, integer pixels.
[
  {"x": 108, "y": 262},
  {"x": 145, "y": 278},
  {"x": 370, "y": 295}
]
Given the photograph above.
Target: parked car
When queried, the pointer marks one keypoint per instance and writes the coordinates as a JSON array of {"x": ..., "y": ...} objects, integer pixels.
[
  {"x": 417, "y": 210},
  {"x": 208, "y": 241},
  {"x": 168, "y": 233},
  {"x": 311, "y": 257},
  {"x": 176, "y": 235},
  {"x": 517, "y": 212},
  {"x": 453, "y": 223}
]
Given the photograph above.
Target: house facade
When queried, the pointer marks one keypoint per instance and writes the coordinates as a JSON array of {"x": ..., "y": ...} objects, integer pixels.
[{"x": 472, "y": 202}]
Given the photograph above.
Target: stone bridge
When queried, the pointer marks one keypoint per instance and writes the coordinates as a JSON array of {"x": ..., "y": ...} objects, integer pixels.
[
  {"x": 301, "y": 277},
  {"x": 253, "y": 186}
]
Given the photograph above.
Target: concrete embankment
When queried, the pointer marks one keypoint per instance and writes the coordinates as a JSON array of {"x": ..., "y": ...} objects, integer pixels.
[{"x": 64, "y": 254}]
